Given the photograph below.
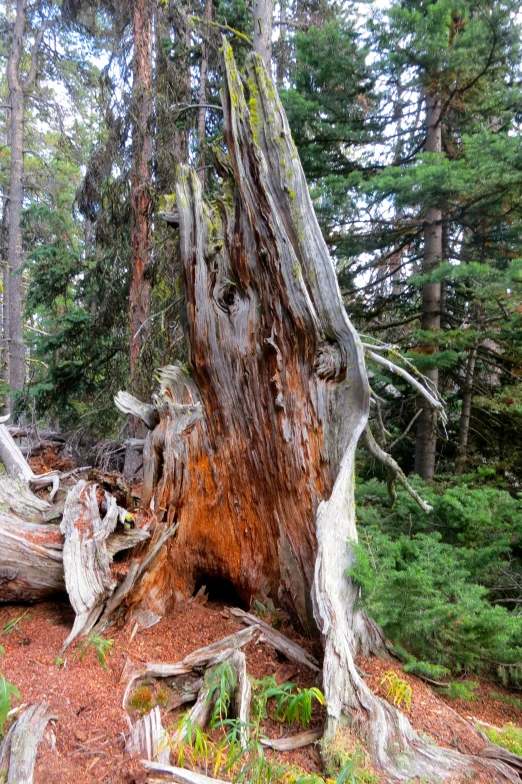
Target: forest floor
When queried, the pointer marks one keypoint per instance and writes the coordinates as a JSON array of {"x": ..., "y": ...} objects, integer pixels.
[{"x": 85, "y": 741}]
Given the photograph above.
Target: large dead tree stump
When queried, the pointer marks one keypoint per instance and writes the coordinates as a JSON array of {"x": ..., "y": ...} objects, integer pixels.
[{"x": 253, "y": 454}]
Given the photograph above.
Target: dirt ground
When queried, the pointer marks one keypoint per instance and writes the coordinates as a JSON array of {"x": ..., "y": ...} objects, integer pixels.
[{"x": 85, "y": 741}]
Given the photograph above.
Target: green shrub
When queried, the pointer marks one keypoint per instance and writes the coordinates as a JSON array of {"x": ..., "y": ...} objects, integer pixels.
[
  {"x": 510, "y": 737},
  {"x": 434, "y": 581}
]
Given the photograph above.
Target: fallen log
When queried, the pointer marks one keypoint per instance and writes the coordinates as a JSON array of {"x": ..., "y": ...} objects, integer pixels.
[
  {"x": 20, "y": 746},
  {"x": 181, "y": 775},
  {"x": 294, "y": 741},
  {"x": 31, "y": 566},
  {"x": 197, "y": 660}
]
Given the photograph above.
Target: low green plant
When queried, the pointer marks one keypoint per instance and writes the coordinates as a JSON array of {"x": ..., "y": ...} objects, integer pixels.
[
  {"x": 13, "y": 625},
  {"x": 462, "y": 690},
  {"x": 292, "y": 705},
  {"x": 398, "y": 690},
  {"x": 509, "y": 737},
  {"x": 240, "y": 755},
  {"x": 508, "y": 699},
  {"x": 196, "y": 742},
  {"x": 222, "y": 682},
  {"x": 101, "y": 645},
  {"x": 433, "y": 672},
  {"x": 59, "y": 662},
  {"x": 8, "y": 691}
]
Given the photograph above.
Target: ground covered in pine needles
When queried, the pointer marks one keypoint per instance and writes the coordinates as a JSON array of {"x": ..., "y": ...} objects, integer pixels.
[{"x": 85, "y": 741}]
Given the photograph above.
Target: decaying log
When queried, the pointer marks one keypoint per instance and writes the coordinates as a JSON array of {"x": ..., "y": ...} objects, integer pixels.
[
  {"x": 181, "y": 775},
  {"x": 492, "y": 751},
  {"x": 20, "y": 745},
  {"x": 293, "y": 742},
  {"x": 189, "y": 694},
  {"x": 199, "y": 714},
  {"x": 242, "y": 695},
  {"x": 10, "y": 455},
  {"x": 197, "y": 660},
  {"x": 148, "y": 739},
  {"x": 31, "y": 566},
  {"x": 31, "y": 554},
  {"x": 16, "y": 497},
  {"x": 86, "y": 563},
  {"x": 277, "y": 640}
]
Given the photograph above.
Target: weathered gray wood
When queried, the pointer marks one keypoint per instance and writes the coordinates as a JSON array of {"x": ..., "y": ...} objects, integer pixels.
[
  {"x": 31, "y": 565},
  {"x": 20, "y": 746},
  {"x": 124, "y": 540},
  {"x": 188, "y": 694},
  {"x": 10, "y": 455},
  {"x": 278, "y": 640},
  {"x": 181, "y": 775},
  {"x": 17, "y": 498},
  {"x": 136, "y": 569},
  {"x": 293, "y": 742},
  {"x": 492, "y": 751},
  {"x": 198, "y": 715},
  {"x": 129, "y": 404},
  {"x": 196, "y": 660},
  {"x": 86, "y": 562},
  {"x": 242, "y": 695},
  {"x": 148, "y": 739}
]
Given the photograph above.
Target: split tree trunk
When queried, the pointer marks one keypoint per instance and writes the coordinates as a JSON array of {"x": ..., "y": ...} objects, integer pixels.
[
  {"x": 253, "y": 456},
  {"x": 426, "y": 442}
]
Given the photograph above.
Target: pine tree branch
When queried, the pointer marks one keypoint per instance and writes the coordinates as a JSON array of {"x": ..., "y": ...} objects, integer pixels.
[{"x": 31, "y": 73}]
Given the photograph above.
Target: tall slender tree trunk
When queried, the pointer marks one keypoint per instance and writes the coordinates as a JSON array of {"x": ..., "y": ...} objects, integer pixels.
[
  {"x": 282, "y": 49},
  {"x": 426, "y": 441},
  {"x": 19, "y": 84},
  {"x": 141, "y": 182},
  {"x": 14, "y": 326},
  {"x": 262, "y": 10},
  {"x": 202, "y": 115},
  {"x": 465, "y": 414}
]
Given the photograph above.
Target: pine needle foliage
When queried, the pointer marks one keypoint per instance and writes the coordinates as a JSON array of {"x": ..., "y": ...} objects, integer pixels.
[{"x": 441, "y": 584}]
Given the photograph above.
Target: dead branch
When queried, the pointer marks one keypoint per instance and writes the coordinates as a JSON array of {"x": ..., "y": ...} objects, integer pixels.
[
  {"x": 396, "y": 472},
  {"x": 278, "y": 640}
]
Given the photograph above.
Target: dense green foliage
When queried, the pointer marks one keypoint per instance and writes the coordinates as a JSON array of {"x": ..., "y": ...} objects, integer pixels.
[{"x": 441, "y": 584}]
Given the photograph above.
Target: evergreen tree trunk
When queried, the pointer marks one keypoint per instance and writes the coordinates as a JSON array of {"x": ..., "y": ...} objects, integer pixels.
[
  {"x": 141, "y": 181},
  {"x": 263, "y": 30},
  {"x": 202, "y": 115},
  {"x": 465, "y": 413},
  {"x": 426, "y": 441},
  {"x": 13, "y": 318}
]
